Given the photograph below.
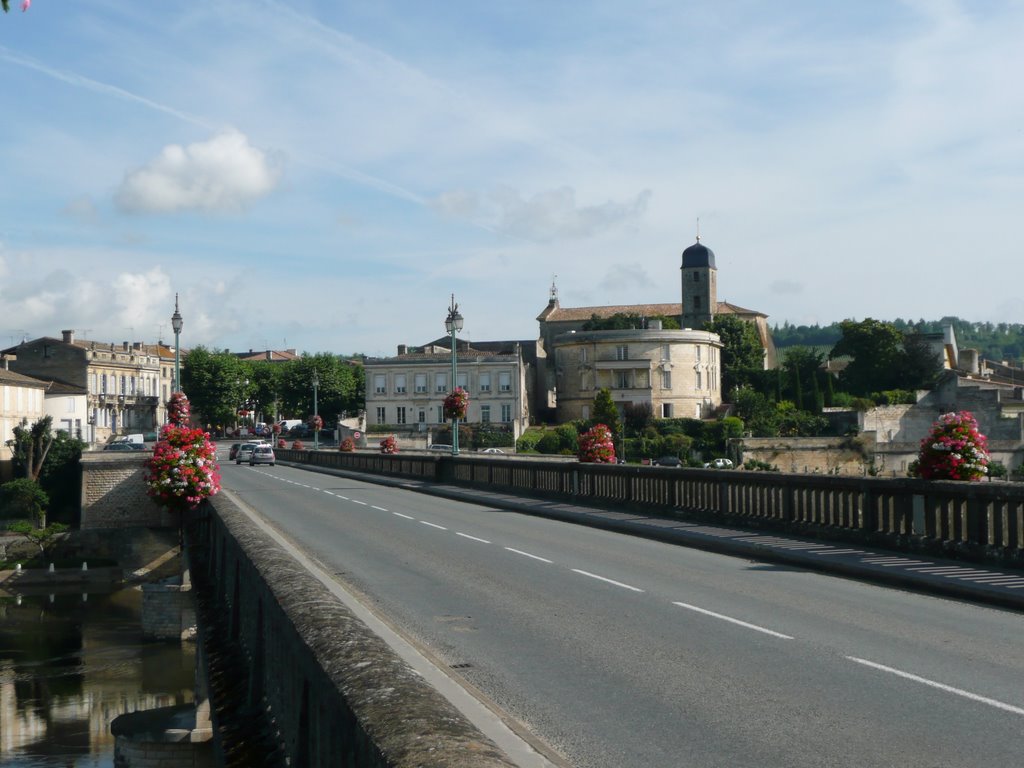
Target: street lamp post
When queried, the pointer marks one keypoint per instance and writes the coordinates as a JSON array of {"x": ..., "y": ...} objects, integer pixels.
[
  {"x": 316, "y": 415},
  {"x": 453, "y": 324},
  {"x": 176, "y": 324}
]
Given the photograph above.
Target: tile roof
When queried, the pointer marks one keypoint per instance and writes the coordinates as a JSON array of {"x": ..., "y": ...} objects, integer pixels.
[{"x": 577, "y": 314}]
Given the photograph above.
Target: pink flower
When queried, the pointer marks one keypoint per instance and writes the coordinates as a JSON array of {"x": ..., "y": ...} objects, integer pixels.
[{"x": 25, "y": 5}]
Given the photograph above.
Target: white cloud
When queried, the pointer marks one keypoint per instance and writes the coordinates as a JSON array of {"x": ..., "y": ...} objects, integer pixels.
[
  {"x": 223, "y": 174},
  {"x": 547, "y": 216}
]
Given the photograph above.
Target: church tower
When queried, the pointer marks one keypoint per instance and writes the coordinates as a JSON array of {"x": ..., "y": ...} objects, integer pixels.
[{"x": 700, "y": 286}]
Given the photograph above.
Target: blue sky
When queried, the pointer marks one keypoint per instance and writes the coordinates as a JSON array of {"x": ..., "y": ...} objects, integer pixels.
[{"x": 323, "y": 175}]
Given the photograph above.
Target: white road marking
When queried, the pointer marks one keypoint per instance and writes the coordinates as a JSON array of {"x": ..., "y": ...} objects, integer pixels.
[
  {"x": 527, "y": 554},
  {"x": 474, "y": 538},
  {"x": 329, "y": 493},
  {"x": 602, "y": 578},
  {"x": 342, "y": 497},
  {"x": 357, "y": 501},
  {"x": 434, "y": 525},
  {"x": 941, "y": 686},
  {"x": 730, "y": 619},
  {"x": 407, "y": 517},
  {"x": 374, "y": 506}
]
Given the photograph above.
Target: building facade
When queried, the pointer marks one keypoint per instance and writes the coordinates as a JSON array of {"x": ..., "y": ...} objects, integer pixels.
[
  {"x": 126, "y": 385},
  {"x": 407, "y": 391},
  {"x": 674, "y": 374},
  {"x": 21, "y": 400}
]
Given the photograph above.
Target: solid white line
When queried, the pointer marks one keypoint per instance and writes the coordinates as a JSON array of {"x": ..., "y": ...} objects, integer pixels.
[
  {"x": 434, "y": 525},
  {"x": 723, "y": 617},
  {"x": 602, "y": 578},
  {"x": 474, "y": 538},
  {"x": 357, "y": 501},
  {"x": 407, "y": 517},
  {"x": 374, "y": 506},
  {"x": 941, "y": 686},
  {"x": 527, "y": 554}
]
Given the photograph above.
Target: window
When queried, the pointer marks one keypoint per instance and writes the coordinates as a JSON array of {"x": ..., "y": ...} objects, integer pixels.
[
  {"x": 485, "y": 413},
  {"x": 698, "y": 354},
  {"x": 103, "y": 384},
  {"x": 666, "y": 379},
  {"x": 623, "y": 379},
  {"x": 666, "y": 351},
  {"x": 583, "y": 354},
  {"x": 485, "y": 382},
  {"x": 666, "y": 410},
  {"x": 699, "y": 380},
  {"x": 400, "y": 415},
  {"x": 462, "y": 380},
  {"x": 421, "y": 383},
  {"x": 440, "y": 414},
  {"x": 92, "y": 383},
  {"x": 696, "y": 302},
  {"x": 380, "y": 383},
  {"x": 440, "y": 382},
  {"x": 421, "y": 417},
  {"x": 505, "y": 381},
  {"x": 585, "y": 412},
  {"x": 622, "y": 352},
  {"x": 696, "y": 277},
  {"x": 380, "y": 414},
  {"x": 400, "y": 386},
  {"x": 124, "y": 385},
  {"x": 506, "y": 412}
]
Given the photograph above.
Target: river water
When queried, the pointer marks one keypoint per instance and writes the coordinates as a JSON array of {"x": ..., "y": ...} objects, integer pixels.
[{"x": 69, "y": 665}]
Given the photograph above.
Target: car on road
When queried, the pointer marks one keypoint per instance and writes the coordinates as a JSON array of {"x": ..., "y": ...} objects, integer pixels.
[
  {"x": 244, "y": 452},
  {"x": 668, "y": 461},
  {"x": 441, "y": 447},
  {"x": 234, "y": 451},
  {"x": 262, "y": 454},
  {"x": 719, "y": 464},
  {"x": 127, "y": 447}
]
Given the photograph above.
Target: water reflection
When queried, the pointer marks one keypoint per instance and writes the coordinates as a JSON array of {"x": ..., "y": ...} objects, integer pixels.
[{"x": 70, "y": 664}]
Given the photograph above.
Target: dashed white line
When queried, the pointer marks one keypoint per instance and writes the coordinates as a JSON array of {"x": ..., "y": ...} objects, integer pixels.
[
  {"x": 941, "y": 686},
  {"x": 474, "y": 538},
  {"x": 730, "y": 619},
  {"x": 527, "y": 554},
  {"x": 407, "y": 517},
  {"x": 329, "y": 493},
  {"x": 609, "y": 581},
  {"x": 357, "y": 501},
  {"x": 374, "y": 506},
  {"x": 434, "y": 525}
]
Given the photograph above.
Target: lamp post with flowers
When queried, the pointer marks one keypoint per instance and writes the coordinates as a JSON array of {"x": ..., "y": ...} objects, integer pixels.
[
  {"x": 453, "y": 324},
  {"x": 177, "y": 323},
  {"x": 316, "y": 415}
]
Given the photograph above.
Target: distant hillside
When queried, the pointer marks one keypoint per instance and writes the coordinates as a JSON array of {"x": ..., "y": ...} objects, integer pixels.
[{"x": 995, "y": 341}]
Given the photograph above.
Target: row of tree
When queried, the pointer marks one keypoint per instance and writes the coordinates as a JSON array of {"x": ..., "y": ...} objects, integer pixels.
[{"x": 220, "y": 384}]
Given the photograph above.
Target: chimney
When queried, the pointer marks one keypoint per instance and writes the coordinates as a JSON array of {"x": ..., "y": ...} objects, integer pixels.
[
  {"x": 68, "y": 336},
  {"x": 125, "y": 346},
  {"x": 270, "y": 355},
  {"x": 402, "y": 348}
]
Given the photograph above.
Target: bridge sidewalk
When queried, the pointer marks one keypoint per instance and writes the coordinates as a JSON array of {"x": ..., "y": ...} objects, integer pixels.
[{"x": 1001, "y": 587}]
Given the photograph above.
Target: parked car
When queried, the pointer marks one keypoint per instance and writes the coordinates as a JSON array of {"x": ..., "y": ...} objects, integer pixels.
[
  {"x": 245, "y": 452},
  {"x": 441, "y": 447},
  {"x": 234, "y": 451},
  {"x": 262, "y": 454},
  {"x": 719, "y": 464},
  {"x": 128, "y": 447},
  {"x": 668, "y": 461}
]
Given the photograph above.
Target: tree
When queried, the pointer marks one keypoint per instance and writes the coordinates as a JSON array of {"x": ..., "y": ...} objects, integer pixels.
[
  {"x": 30, "y": 446},
  {"x": 875, "y": 348},
  {"x": 605, "y": 411},
  {"x": 217, "y": 383},
  {"x": 742, "y": 353},
  {"x": 803, "y": 365}
]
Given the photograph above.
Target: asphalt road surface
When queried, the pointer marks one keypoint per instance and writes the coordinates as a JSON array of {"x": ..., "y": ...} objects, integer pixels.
[{"x": 618, "y": 651}]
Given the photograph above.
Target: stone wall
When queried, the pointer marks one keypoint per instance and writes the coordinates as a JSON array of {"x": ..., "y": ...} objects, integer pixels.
[
  {"x": 114, "y": 493},
  {"x": 337, "y": 693},
  {"x": 810, "y": 455}
]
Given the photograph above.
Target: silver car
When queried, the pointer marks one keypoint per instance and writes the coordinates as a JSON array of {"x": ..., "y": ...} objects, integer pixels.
[
  {"x": 262, "y": 454},
  {"x": 245, "y": 452}
]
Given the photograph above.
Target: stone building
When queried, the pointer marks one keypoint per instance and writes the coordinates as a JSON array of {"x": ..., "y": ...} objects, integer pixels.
[
  {"x": 408, "y": 390},
  {"x": 126, "y": 384},
  {"x": 673, "y": 373},
  {"x": 21, "y": 399}
]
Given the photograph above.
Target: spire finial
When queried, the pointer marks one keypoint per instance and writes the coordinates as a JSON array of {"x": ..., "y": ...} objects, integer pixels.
[
  {"x": 553, "y": 293},
  {"x": 698, "y": 229}
]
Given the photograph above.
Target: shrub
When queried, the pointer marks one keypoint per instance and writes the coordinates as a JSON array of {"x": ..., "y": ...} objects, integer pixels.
[
  {"x": 23, "y": 498},
  {"x": 953, "y": 450}
]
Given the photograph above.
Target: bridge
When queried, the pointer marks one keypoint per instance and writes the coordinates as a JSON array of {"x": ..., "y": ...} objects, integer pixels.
[{"x": 655, "y": 629}]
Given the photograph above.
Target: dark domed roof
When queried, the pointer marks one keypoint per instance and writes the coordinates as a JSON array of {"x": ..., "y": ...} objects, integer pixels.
[{"x": 698, "y": 255}]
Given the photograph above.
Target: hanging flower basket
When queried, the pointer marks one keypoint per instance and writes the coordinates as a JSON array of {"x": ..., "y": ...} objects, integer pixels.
[
  {"x": 183, "y": 469},
  {"x": 953, "y": 450},
  {"x": 456, "y": 404},
  {"x": 597, "y": 446},
  {"x": 317, "y": 423},
  {"x": 389, "y": 445}
]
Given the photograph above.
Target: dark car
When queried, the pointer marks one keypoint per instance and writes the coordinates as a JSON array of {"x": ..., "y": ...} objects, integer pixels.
[
  {"x": 668, "y": 461},
  {"x": 234, "y": 451},
  {"x": 119, "y": 447}
]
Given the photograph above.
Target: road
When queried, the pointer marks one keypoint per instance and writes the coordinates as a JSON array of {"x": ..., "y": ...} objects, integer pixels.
[{"x": 619, "y": 651}]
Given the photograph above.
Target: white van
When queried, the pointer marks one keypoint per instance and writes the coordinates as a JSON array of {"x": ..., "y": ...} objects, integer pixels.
[{"x": 287, "y": 424}]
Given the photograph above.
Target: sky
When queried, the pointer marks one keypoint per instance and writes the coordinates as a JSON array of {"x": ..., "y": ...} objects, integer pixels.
[{"x": 324, "y": 176}]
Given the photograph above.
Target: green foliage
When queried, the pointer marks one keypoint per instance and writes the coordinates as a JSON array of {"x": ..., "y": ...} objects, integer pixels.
[
  {"x": 894, "y": 397},
  {"x": 44, "y": 538},
  {"x": 754, "y": 465},
  {"x": 30, "y": 446},
  {"x": 217, "y": 383},
  {"x": 61, "y": 477},
  {"x": 23, "y": 498},
  {"x": 527, "y": 442},
  {"x": 790, "y": 421},
  {"x": 742, "y": 354},
  {"x": 883, "y": 358},
  {"x": 490, "y": 435},
  {"x": 997, "y": 469},
  {"x": 604, "y": 411},
  {"x": 624, "y": 321}
]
